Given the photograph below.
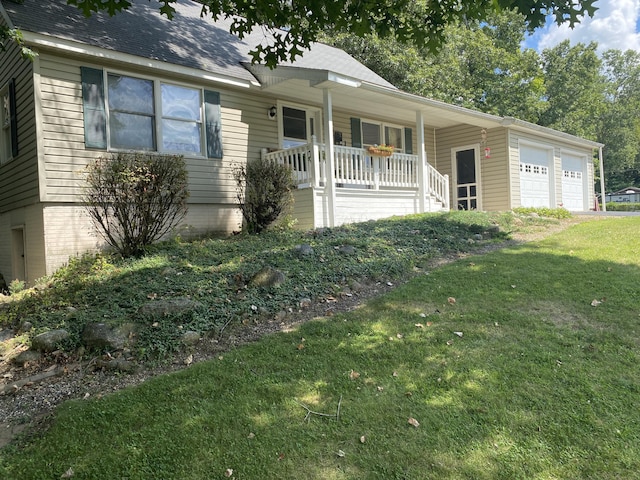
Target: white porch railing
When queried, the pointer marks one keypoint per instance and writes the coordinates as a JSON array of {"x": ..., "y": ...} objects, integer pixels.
[{"x": 357, "y": 167}]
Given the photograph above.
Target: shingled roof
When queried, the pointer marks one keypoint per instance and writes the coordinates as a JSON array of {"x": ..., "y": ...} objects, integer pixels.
[{"x": 187, "y": 40}]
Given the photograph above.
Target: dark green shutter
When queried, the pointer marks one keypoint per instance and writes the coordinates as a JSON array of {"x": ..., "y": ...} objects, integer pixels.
[
  {"x": 213, "y": 124},
  {"x": 356, "y": 133},
  {"x": 408, "y": 141},
  {"x": 13, "y": 118},
  {"x": 95, "y": 118}
]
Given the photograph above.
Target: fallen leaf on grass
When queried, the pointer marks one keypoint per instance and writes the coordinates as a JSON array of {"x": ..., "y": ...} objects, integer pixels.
[
  {"x": 188, "y": 360},
  {"x": 399, "y": 335},
  {"x": 353, "y": 375},
  {"x": 423, "y": 315},
  {"x": 595, "y": 303},
  {"x": 429, "y": 324},
  {"x": 340, "y": 453},
  {"x": 380, "y": 388},
  {"x": 451, "y": 300},
  {"x": 458, "y": 334},
  {"x": 228, "y": 472},
  {"x": 68, "y": 474},
  {"x": 412, "y": 421},
  {"x": 449, "y": 342},
  {"x": 395, "y": 374},
  {"x": 419, "y": 325},
  {"x": 300, "y": 346},
  {"x": 280, "y": 456},
  {"x": 363, "y": 439},
  {"x": 251, "y": 435}
]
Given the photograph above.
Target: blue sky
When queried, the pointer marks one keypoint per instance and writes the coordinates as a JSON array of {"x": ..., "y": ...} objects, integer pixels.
[{"x": 615, "y": 25}]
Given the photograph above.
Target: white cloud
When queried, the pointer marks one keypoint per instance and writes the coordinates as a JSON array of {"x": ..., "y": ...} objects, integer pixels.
[{"x": 614, "y": 26}]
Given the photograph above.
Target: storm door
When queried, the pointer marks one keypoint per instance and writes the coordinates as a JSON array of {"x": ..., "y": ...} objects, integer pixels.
[{"x": 466, "y": 174}]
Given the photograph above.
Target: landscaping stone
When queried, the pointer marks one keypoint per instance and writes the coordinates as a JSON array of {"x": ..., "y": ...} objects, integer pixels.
[
  {"x": 49, "y": 341},
  {"x": 28, "y": 356},
  {"x": 25, "y": 326},
  {"x": 305, "y": 303},
  {"x": 169, "y": 306},
  {"x": 117, "y": 364},
  {"x": 347, "y": 250},
  {"x": 190, "y": 337},
  {"x": 478, "y": 237},
  {"x": 303, "y": 250},
  {"x": 102, "y": 336},
  {"x": 268, "y": 277}
]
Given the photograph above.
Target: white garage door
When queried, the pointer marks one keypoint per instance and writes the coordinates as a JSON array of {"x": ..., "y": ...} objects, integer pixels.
[
  {"x": 534, "y": 177},
  {"x": 573, "y": 182}
]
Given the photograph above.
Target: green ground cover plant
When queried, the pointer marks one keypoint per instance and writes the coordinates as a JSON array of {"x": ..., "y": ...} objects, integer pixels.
[
  {"x": 216, "y": 273},
  {"x": 521, "y": 363}
]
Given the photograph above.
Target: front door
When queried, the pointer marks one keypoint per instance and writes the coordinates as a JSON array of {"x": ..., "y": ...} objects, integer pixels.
[{"x": 466, "y": 170}]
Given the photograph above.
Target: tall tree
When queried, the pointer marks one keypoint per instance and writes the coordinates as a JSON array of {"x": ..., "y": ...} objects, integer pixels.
[
  {"x": 619, "y": 126},
  {"x": 419, "y": 21},
  {"x": 574, "y": 87},
  {"x": 480, "y": 66}
]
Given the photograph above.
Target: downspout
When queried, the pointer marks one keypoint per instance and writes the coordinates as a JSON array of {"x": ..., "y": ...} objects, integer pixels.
[
  {"x": 602, "y": 193},
  {"x": 329, "y": 152}
]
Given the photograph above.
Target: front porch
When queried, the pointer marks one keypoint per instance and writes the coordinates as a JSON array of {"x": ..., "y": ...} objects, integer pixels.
[{"x": 360, "y": 186}]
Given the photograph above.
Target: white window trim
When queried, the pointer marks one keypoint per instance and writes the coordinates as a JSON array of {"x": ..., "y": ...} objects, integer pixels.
[{"x": 157, "y": 113}]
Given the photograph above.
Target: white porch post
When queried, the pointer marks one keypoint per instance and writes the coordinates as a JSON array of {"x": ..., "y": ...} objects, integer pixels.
[
  {"x": 602, "y": 192},
  {"x": 329, "y": 152},
  {"x": 422, "y": 165}
]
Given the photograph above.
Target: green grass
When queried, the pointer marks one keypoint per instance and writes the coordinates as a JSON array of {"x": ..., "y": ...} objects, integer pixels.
[{"x": 542, "y": 385}]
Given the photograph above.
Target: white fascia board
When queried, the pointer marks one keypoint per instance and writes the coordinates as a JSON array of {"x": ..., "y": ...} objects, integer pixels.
[
  {"x": 62, "y": 45},
  {"x": 547, "y": 132},
  {"x": 485, "y": 119}
]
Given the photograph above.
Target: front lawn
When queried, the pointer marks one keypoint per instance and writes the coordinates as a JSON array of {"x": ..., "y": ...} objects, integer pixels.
[{"x": 521, "y": 363}]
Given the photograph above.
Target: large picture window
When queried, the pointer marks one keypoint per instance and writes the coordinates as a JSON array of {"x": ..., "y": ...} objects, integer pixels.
[
  {"x": 374, "y": 133},
  {"x": 129, "y": 113}
]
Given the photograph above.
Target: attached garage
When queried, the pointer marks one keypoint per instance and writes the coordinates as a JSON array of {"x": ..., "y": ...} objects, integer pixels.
[
  {"x": 536, "y": 176},
  {"x": 573, "y": 182}
]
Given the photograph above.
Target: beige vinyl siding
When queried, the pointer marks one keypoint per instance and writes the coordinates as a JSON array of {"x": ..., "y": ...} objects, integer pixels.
[
  {"x": 246, "y": 129},
  {"x": 19, "y": 176},
  {"x": 494, "y": 171}
]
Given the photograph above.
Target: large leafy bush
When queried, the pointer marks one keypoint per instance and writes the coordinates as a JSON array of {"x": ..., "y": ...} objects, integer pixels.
[{"x": 135, "y": 199}]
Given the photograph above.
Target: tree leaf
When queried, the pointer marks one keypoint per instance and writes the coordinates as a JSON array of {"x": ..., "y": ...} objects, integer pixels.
[{"x": 412, "y": 421}]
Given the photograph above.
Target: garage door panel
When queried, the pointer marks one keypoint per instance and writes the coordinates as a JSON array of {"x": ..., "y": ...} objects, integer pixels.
[
  {"x": 573, "y": 189},
  {"x": 534, "y": 177}
]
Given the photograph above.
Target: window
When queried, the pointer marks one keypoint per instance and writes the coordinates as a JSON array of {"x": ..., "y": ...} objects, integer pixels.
[
  {"x": 8, "y": 133},
  {"x": 298, "y": 126},
  {"x": 131, "y": 113},
  {"x": 181, "y": 122},
  {"x": 372, "y": 135},
  {"x": 142, "y": 114}
]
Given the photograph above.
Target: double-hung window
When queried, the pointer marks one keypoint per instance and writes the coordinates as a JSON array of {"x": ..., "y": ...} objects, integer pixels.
[
  {"x": 8, "y": 133},
  {"x": 374, "y": 133},
  {"x": 131, "y": 113},
  {"x": 134, "y": 113}
]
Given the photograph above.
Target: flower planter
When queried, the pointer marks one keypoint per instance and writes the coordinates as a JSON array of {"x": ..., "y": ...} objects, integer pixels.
[{"x": 379, "y": 151}]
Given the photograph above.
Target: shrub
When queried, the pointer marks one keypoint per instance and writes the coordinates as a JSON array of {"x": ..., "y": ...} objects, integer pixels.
[
  {"x": 622, "y": 207},
  {"x": 135, "y": 199},
  {"x": 558, "y": 213},
  {"x": 264, "y": 192}
]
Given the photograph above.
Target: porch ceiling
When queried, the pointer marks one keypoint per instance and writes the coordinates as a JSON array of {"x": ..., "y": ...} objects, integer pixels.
[{"x": 377, "y": 102}]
